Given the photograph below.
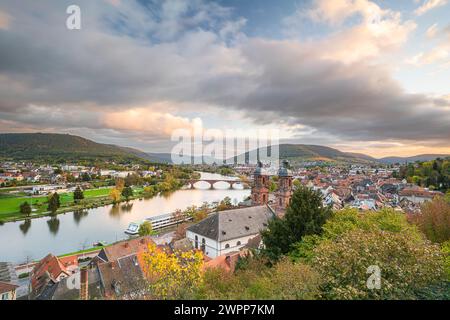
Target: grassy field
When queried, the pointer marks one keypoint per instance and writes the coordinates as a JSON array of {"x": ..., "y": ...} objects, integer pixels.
[{"x": 10, "y": 205}]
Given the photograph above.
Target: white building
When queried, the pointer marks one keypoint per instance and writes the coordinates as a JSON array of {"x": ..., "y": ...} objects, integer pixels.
[{"x": 229, "y": 230}]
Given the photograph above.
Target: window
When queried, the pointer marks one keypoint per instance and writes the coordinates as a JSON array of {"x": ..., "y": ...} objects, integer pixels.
[
  {"x": 238, "y": 243},
  {"x": 5, "y": 296},
  {"x": 203, "y": 244},
  {"x": 196, "y": 242},
  {"x": 227, "y": 246}
]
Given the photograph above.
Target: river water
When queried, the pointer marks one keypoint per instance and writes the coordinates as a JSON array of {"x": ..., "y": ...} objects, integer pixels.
[{"x": 72, "y": 231}]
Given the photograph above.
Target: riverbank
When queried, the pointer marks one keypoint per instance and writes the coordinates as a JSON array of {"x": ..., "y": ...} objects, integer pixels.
[{"x": 94, "y": 198}]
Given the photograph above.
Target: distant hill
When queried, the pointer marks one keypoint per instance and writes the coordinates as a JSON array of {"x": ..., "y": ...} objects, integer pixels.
[
  {"x": 52, "y": 147},
  {"x": 421, "y": 157},
  {"x": 302, "y": 152}
]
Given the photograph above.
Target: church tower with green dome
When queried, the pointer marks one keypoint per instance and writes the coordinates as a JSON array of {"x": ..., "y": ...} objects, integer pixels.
[
  {"x": 260, "y": 191},
  {"x": 284, "y": 192}
]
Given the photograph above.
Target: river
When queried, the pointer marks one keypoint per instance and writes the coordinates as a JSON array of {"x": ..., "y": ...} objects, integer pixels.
[{"x": 72, "y": 231}]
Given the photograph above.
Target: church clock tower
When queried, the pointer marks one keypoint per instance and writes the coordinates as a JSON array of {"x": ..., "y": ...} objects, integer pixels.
[
  {"x": 260, "y": 192},
  {"x": 284, "y": 192}
]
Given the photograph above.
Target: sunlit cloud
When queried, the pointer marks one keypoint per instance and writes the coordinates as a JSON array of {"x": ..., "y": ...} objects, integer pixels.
[{"x": 428, "y": 5}]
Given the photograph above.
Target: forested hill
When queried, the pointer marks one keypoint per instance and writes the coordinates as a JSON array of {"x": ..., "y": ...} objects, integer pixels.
[
  {"x": 61, "y": 147},
  {"x": 302, "y": 152}
]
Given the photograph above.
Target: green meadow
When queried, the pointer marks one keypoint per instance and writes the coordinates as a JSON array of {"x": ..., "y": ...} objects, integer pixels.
[{"x": 10, "y": 204}]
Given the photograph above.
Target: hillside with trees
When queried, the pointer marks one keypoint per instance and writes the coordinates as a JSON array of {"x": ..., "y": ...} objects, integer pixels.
[
  {"x": 433, "y": 174},
  {"x": 54, "y": 148}
]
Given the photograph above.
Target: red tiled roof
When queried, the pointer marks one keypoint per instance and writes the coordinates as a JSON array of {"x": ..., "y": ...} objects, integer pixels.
[
  {"x": 126, "y": 248},
  {"x": 69, "y": 261},
  {"x": 51, "y": 265},
  {"x": 7, "y": 287}
]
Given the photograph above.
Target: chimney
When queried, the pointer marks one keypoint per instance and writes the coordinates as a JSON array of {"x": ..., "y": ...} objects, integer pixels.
[{"x": 84, "y": 284}]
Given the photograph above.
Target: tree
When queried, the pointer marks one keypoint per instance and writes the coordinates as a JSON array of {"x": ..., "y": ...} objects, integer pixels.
[
  {"x": 78, "y": 194},
  {"x": 304, "y": 216},
  {"x": 86, "y": 177},
  {"x": 171, "y": 275},
  {"x": 25, "y": 209},
  {"x": 434, "y": 220},
  {"x": 199, "y": 215},
  {"x": 178, "y": 216},
  {"x": 190, "y": 211},
  {"x": 348, "y": 220},
  {"x": 115, "y": 195},
  {"x": 284, "y": 281},
  {"x": 120, "y": 184},
  {"x": 127, "y": 192},
  {"x": 224, "y": 204},
  {"x": 180, "y": 232},
  {"x": 54, "y": 203},
  {"x": 145, "y": 229},
  {"x": 406, "y": 265}
]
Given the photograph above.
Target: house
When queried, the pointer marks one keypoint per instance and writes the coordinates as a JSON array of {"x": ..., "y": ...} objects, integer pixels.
[
  {"x": 226, "y": 262},
  {"x": 7, "y": 291},
  {"x": 124, "y": 249},
  {"x": 49, "y": 270},
  {"x": 8, "y": 273},
  {"x": 120, "y": 274},
  {"x": 122, "y": 279},
  {"x": 70, "y": 288},
  {"x": 228, "y": 231},
  {"x": 418, "y": 195}
]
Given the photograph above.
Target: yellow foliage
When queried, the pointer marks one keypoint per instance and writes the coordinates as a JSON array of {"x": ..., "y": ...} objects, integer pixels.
[
  {"x": 115, "y": 195},
  {"x": 171, "y": 276}
]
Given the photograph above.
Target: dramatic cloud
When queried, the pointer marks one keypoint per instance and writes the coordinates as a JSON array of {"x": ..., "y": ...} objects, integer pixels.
[{"x": 138, "y": 70}]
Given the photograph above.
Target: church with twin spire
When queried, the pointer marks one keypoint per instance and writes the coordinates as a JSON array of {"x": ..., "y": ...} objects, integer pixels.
[{"x": 261, "y": 188}]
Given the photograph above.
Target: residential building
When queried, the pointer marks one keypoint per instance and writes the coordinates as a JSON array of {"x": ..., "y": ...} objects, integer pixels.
[{"x": 7, "y": 291}]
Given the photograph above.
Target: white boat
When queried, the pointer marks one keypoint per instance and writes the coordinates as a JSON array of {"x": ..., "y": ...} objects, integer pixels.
[{"x": 133, "y": 228}]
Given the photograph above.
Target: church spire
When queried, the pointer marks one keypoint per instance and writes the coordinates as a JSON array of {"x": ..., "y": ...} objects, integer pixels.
[
  {"x": 260, "y": 192},
  {"x": 284, "y": 192}
]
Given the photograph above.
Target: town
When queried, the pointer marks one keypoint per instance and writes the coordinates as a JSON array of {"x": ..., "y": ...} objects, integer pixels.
[{"x": 223, "y": 232}]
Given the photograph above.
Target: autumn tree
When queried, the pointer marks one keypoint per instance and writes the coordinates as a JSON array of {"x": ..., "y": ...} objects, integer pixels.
[
  {"x": 348, "y": 220},
  {"x": 284, "y": 281},
  {"x": 171, "y": 275},
  {"x": 145, "y": 229},
  {"x": 190, "y": 211},
  {"x": 434, "y": 220},
  {"x": 115, "y": 195},
  {"x": 120, "y": 184},
  {"x": 406, "y": 265},
  {"x": 180, "y": 232},
  {"x": 178, "y": 216},
  {"x": 199, "y": 215}
]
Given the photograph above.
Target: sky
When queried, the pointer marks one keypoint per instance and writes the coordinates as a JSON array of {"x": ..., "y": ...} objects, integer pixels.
[{"x": 358, "y": 75}]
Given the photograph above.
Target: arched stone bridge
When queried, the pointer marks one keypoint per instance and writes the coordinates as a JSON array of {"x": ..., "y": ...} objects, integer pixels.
[{"x": 191, "y": 183}]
